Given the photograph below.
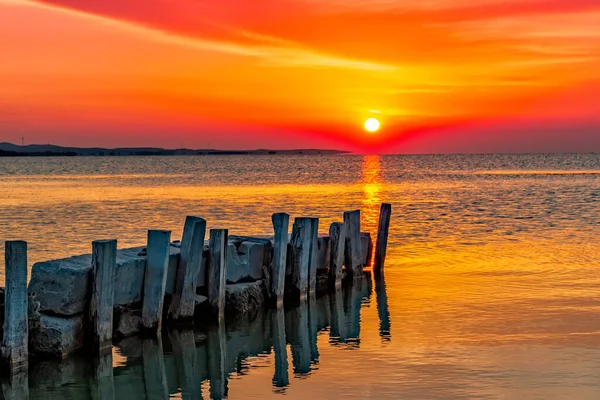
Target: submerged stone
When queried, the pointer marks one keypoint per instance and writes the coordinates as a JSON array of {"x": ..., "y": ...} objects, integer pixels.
[
  {"x": 244, "y": 298},
  {"x": 57, "y": 336}
]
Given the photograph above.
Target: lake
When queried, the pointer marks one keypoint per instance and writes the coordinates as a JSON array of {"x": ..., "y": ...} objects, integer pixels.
[{"x": 491, "y": 287}]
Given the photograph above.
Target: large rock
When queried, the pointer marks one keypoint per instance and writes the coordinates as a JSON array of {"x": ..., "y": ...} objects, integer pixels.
[
  {"x": 61, "y": 286},
  {"x": 127, "y": 321},
  {"x": 323, "y": 253},
  {"x": 129, "y": 276},
  {"x": 244, "y": 298},
  {"x": 246, "y": 257},
  {"x": 57, "y": 336}
]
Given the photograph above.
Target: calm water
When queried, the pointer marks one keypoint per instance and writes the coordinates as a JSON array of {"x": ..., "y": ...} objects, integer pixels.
[{"x": 491, "y": 290}]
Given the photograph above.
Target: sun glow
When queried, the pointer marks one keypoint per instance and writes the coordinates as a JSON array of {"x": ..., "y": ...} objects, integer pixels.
[{"x": 372, "y": 125}]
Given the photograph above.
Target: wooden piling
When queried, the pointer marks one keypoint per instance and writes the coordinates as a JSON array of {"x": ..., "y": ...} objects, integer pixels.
[
  {"x": 337, "y": 233},
  {"x": 353, "y": 251},
  {"x": 281, "y": 223},
  {"x": 15, "y": 340},
  {"x": 382, "y": 236},
  {"x": 100, "y": 317},
  {"x": 184, "y": 296},
  {"x": 301, "y": 253},
  {"x": 314, "y": 255},
  {"x": 216, "y": 271},
  {"x": 155, "y": 279}
]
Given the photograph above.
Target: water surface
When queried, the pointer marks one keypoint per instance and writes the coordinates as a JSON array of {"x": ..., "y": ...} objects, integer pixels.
[{"x": 491, "y": 288}]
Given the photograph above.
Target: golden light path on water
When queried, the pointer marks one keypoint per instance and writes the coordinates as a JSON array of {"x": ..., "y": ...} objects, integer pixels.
[{"x": 491, "y": 283}]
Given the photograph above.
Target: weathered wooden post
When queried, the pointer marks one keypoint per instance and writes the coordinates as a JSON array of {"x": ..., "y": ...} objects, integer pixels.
[
  {"x": 382, "y": 235},
  {"x": 337, "y": 233},
  {"x": 281, "y": 223},
  {"x": 353, "y": 250},
  {"x": 216, "y": 271},
  {"x": 100, "y": 317},
  {"x": 314, "y": 255},
  {"x": 155, "y": 279},
  {"x": 16, "y": 329},
  {"x": 184, "y": 296},
  {"x": 301, "y": 253}
]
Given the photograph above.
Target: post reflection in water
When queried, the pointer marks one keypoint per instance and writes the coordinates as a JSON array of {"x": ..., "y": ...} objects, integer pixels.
[
  {"x": 186, "y": 363},
  {"x": 281, "y": 377},
  {"x": 383, "y": 311},
  {"x": 102, "y": 385},
  {"x": 155, "y": 377},
  {"x": 299, "y": 338},
  {"x": 217, "y": 356}
]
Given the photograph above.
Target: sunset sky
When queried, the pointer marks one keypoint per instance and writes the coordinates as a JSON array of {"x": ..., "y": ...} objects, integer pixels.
[{"x": 440, "y": 75}]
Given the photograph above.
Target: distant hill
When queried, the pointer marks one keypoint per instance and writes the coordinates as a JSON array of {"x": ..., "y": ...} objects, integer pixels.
[{"x": 45, "y": 150}]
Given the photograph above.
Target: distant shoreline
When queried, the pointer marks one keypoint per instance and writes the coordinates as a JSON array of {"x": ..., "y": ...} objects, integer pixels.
[{"x": 37, "y": 150}]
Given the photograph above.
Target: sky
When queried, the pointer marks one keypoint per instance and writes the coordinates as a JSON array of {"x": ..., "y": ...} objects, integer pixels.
[{"x": 440, "y": 75}]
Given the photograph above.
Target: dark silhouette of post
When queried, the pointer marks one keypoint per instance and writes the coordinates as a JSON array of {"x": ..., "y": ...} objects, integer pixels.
[
  {"x": 16, "y": 386},
  {"x": 337, "y": 233},
  {"x": 100, "y": 318},
  {"x": 314, "y": 255},
  {"x": 382, "y": 235},
  {"x": 155, "y": 279},
  {"x": 15, "y": 340},
  {"x": 281, "y": 223},
  {"x": 216, "y": 271},
  {"x": 301, "y": 254},
  {"x": 353, "y": 250},
  {"x": 184, "y": 296}
]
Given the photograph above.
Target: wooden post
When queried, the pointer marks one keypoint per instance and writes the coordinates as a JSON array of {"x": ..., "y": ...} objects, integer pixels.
[
  {"x": 353, "y": 250},
  {"x": 100, "y": 317},
  {"x": 314, "y": 255},
  {"x": 281, "y": 223},
  {"x": 382, "y": 235},
  {"x": 15, "y": 340},
  {"x": 216, "y": 271},
  {"x": 301, "y": 251},
  {"x": 184, "y": 296},
  {"x": 155, "y": 279},
  {"x": 337, "y": 233}
]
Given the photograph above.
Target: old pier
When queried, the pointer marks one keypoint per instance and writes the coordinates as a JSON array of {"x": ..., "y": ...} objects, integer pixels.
[{"x": 92, "y": 301}]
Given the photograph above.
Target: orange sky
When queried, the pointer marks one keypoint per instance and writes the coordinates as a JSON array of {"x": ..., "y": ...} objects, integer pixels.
[{"x": 440, "y": 75}]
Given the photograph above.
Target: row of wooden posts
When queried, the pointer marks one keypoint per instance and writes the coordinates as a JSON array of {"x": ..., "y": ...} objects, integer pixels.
[{"x": 345, "y": 251}]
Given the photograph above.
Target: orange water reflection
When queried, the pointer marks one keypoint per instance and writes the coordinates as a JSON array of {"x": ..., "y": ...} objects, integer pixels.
[{"x": 371, "y": 201}]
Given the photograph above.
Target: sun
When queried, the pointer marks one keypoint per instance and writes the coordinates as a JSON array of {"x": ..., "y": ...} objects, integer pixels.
[{"x": 372, "y": 125}]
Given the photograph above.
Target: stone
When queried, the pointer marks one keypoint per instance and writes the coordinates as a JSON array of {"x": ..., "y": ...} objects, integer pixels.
[
  {"x": 245, "y": 260},
  {"x": 57, "y": 336},
  {"x": 129, "y": 276},
  {"x": 244, "y": 298},
  {"x": 129, "y": 322},
  {"x": 61, "y": 286}
]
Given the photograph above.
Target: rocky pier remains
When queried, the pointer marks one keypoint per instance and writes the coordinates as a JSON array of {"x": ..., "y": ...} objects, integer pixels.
[{"x": 86, "y": 303}]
